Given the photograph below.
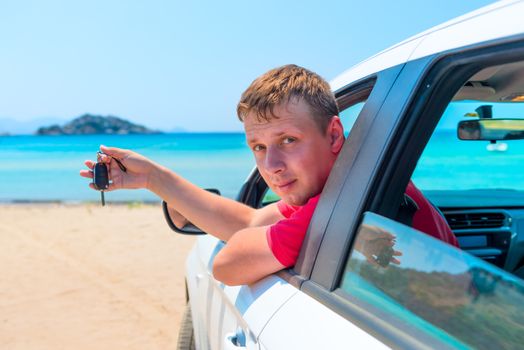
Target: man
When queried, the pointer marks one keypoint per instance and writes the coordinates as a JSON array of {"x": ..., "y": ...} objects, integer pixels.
[{"x": 292, "y": 127}]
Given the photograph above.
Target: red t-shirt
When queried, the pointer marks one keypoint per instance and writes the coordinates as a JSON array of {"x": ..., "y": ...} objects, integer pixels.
[
  {"x": 286, "y": 236},
  {"x": 427, "y": 219}
]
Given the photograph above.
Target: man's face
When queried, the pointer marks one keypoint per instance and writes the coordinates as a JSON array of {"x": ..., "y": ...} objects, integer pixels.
[{"x": 292, "y": 154}]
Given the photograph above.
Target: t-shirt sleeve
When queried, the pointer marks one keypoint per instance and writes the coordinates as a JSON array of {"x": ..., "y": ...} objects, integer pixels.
[{"x": 286, "y": 236}]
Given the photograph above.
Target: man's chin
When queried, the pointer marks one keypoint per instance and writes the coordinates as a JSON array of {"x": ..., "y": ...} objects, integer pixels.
[
  {"x": 297, "y": 199},
  {"x": 294, "y": 200}
]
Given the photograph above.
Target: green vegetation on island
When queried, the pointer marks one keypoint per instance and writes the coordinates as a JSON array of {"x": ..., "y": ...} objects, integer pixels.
[{"x": 89, "y": 124}]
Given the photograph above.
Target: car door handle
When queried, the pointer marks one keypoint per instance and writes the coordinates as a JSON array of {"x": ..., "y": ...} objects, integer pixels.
[{"x": 236, "y": 340}]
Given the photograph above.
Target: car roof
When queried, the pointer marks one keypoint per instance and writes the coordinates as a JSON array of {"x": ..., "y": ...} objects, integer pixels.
[{"x": 501, "y": 19}]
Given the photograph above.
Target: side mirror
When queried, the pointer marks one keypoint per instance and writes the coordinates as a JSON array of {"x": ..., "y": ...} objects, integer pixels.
[
  {"x": 491, "y": 129},
  {"x": 189, "y": 228}
]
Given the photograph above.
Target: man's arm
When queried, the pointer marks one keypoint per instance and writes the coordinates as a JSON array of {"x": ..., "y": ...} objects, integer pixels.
[
  {"x": 216, "y": 215},
  {"x": 267, "y": 215},
  {"x": 246, "y": 258},
  {"x": 178, "y": 219}
]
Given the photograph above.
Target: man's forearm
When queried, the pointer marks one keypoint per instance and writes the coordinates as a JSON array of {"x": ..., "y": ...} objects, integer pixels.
[
  {"x": 246, "y": 258},
  {"x": 219, "y": 216}
]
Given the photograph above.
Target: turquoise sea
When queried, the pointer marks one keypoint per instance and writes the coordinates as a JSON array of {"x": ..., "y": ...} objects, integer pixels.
[{"x": 45, "y": 168}]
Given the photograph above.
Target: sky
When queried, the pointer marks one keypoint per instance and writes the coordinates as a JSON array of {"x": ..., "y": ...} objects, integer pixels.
[{"x": 173, "y": 65}]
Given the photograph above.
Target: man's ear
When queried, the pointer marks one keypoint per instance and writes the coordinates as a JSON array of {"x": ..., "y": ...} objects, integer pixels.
[{"x": 336, "y": 134}]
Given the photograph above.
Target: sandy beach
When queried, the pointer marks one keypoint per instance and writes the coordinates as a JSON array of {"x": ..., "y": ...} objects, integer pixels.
[{"x": 89, "y": 277}]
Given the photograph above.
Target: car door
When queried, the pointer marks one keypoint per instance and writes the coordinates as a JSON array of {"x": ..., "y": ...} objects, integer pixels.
[{"x": 437, "y": 296}]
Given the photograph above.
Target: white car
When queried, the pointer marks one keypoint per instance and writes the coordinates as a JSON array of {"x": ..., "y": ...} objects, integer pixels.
[{"x": 446, "y": 109}]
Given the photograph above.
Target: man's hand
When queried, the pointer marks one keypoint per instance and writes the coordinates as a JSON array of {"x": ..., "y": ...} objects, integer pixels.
[
  {"x": 137, "y": 174},
  {"x": 377, "y": 245}
]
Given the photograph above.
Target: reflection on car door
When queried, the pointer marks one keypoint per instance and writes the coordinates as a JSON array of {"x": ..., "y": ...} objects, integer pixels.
[{"x": 436, "y": 292}]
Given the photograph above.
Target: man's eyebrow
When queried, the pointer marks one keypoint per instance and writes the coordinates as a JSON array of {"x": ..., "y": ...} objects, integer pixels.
[{"x": 254, "y": 139}]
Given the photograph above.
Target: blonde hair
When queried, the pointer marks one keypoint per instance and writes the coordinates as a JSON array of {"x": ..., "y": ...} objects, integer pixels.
[{"x": 282, "y": 84}]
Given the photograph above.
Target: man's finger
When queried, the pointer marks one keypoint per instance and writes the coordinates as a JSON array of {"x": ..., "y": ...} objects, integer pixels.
[
  {"x": 112, "y": 186},
  {"x": 92, "y": 186},
  {"x": 115, "y": 152},
  {"x": 90, "y": 164},
  {"x": 86, "y": 173},
  {"x": 104, "y": 158},
  {"x": 372, "y": 261}
]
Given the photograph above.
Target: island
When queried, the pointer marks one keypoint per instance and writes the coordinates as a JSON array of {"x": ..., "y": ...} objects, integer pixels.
[{"x": 89, "y": 124}]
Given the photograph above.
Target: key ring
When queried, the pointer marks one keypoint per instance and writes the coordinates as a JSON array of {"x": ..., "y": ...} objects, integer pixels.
[{"x": 118, "y": 161}]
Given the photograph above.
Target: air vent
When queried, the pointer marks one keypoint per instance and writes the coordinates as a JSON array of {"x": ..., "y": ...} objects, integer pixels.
[{"x": 461, "y": 221}]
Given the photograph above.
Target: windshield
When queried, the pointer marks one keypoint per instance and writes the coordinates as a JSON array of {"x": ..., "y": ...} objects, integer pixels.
[{"x": 450, "y": 164}]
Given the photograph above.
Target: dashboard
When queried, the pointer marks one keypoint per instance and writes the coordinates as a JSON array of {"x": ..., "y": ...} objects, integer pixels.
[{"x": 487, "y": 223}]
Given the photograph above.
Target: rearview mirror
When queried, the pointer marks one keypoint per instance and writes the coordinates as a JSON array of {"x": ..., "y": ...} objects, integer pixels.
[
  {"x": 188, "y": 228},
  {"x": 491, "y": 129}
]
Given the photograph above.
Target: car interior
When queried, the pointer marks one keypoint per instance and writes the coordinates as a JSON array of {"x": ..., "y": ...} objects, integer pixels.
[{"x": 472, "y": 167}]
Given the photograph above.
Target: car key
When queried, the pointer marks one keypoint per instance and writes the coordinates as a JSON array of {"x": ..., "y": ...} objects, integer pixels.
[
  {"x": 101, "y": 175},
  {"x": 118, "y": 161},
  {"x": 385, "y": 256},
  {"x": 101, "y": 179}
]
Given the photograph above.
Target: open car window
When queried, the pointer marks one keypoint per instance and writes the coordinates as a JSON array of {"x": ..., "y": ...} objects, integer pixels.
[
  {"x": 349, "y": 116},
  {"x": 473, "y": 172},
  {"x": 472, "y": 168}
]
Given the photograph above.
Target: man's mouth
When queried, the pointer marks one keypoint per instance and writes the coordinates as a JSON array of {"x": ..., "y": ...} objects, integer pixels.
[{"x": 285, "y": 186}]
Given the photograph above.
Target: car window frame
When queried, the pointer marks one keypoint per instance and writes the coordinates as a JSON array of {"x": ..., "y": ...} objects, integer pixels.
[
  {"x": 380, "y": 185},
  {"x": 373, "y": 89},
  {"x": 446, "y": 74},
  {"x": 392, "y": 132}
]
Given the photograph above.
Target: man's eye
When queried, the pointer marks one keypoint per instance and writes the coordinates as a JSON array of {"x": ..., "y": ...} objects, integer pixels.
[
  {"x": 258, "y": 148},
  {"x": 288, "y": 140}
]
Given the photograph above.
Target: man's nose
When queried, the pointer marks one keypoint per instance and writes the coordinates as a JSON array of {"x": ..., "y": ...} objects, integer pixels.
[{"x": 274, "y": 161}]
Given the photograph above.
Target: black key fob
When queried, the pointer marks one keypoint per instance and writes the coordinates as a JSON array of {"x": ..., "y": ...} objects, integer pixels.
[
  {"x": 100, "y": 176},
  {"x": 385, "y": 256}
]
